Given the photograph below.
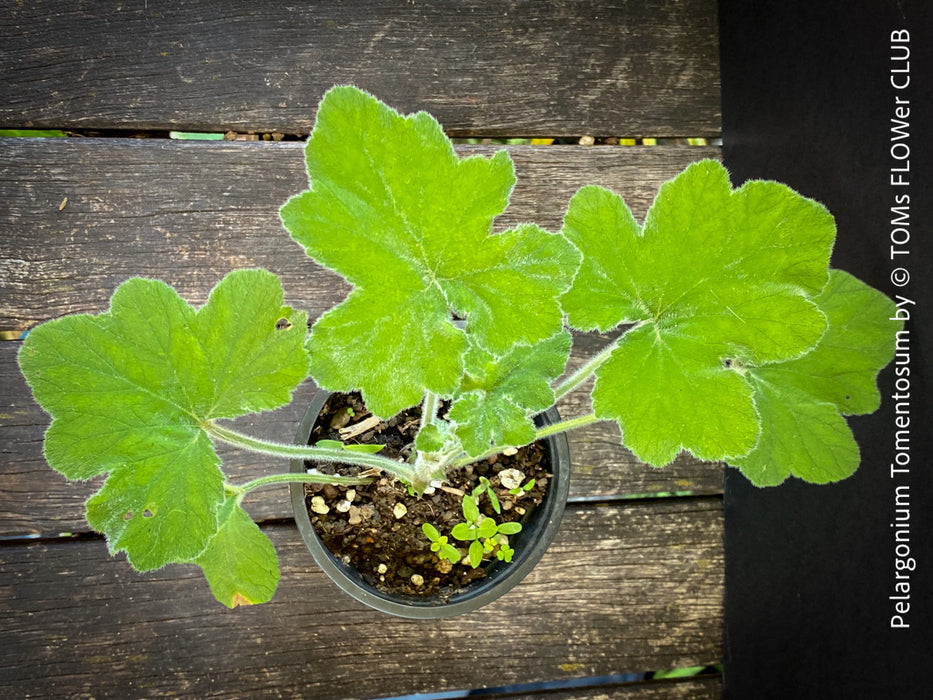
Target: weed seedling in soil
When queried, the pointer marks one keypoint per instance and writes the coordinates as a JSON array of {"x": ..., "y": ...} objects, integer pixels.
[
  {"x": 439, "y": 544},
  {"x": 483, "y": 532}
]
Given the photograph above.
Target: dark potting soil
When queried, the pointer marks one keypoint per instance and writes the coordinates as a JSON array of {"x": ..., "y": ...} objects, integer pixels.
[{"x": 376, "y": 528}]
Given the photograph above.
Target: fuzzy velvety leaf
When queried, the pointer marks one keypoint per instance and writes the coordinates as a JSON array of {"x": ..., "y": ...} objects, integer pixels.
[
  {"x": 129, "y": 390},
  {"x": 500, "y": 395},
  {"x": 239, "y": 562},
  {"x": 802, "y": 401},
  {"x": 668, "y": 393},
  {"x": 161, "y": 508},
  {"x": 408, "y": 223},
  {"x": 439, "y": 438},
  {"x": 714, "y": 274}
]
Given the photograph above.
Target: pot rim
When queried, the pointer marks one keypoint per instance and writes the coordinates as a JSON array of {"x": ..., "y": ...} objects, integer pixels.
[{"x": 542, "y": 526}]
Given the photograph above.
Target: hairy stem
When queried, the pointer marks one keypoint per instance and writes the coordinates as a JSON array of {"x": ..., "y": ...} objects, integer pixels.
[
  {"x": 587, "y": 370},
  {"x": 541, "y": 433},
  {"x": 566, "y": 425},
  {"x": 429, "y": 408},
  {"x": 314, "y": 454},
  {"x": 296, "y": 478}
]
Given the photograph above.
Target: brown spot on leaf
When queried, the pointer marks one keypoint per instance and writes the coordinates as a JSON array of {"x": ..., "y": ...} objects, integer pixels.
[{"x": 240, "y": 599}]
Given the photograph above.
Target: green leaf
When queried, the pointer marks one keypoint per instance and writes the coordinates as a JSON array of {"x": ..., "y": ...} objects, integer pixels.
[
  {"x": 430, "y": 532},
  {"x": 239, "y": 562},
  {"x": 130, "y": 389},
  {"x": 669, "y": 392},
  {"x": 470, "y": 509},
  {"x": 429, "y": 439},
  {"x": 802, "y": 401},
  {"x": 499, "y": 396},
  {"x": 493, "y": 499},
  {"x": 488, "y": 528},
  {"x": 463, "y": 532},
  {"x": 480, "y": 488},
  {"x": 450, "y": 553},
  {"x": 438, "y": 437},
  {"x": 476, "y": 553},
  {"x": 713, "y": 274},
  {"x": 408, "y": 223},
  {"x": 510, "y": 528},
  {"x": 161, "y": 509}
]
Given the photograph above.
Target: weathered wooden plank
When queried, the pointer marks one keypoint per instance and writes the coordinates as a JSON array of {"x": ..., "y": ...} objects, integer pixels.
[
  {"x": 623, "y": 588},
  {"x": 188, "y": 212},
  {"x": 515, "y": 67},
  {"x": 36, "y": 500}
]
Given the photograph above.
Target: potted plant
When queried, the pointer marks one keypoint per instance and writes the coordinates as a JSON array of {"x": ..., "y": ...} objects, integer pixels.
[{"x": 740, "y": 344}]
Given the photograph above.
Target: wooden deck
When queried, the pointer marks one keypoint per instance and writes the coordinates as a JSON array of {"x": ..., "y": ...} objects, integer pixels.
[{"x": 630, "y": 585}]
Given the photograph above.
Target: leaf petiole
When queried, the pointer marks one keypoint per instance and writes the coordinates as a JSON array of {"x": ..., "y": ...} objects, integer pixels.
[
  {"x": 315, "y": 454},
  {"x": 429, "y": 409},
  {"x": 588, "y": 369},
  {"x": 541, "y": 433},
  {"x": 297, "y": 478}
]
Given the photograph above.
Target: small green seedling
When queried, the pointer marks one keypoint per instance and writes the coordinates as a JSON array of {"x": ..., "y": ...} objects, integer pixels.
[
  {"x": 504, "y": 553},
  {"x": 485, "y": 486},
  {"x": 483, "y": 533},
  {"x": 440, "y": 545},
  {"x": 523, "y": 489}
]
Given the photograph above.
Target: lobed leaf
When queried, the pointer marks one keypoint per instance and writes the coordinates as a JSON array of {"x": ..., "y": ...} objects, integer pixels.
[
  {"x": 714, "y": 274},
  {"x": 130, "y": 389},
  {"x": 239, "y": 561},
  {"x": 408, "y": 223},
  {"x": 500, "y": 396},
  {"x": 802, "y": 401}
]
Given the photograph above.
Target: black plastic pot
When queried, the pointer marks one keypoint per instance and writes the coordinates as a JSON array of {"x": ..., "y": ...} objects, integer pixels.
[{"x": 538, "y": 530}]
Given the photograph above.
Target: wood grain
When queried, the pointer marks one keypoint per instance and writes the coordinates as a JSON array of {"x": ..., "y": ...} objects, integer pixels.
[
  {"x": 189, "y": 212},
  {"x": 490, "y": 67},
  {"x": 622, "y": 589}
]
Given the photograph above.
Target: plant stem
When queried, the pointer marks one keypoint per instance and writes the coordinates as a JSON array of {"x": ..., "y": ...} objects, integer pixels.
[
  {"x": 584, "y": 372},
  {"x": 565, "y": 425},
  {"x": 429, "y": 408},
  {"x": 296, "y": 478},
  {"x": 314, "y": 454},
  {"x": 540, "y": 434}
]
